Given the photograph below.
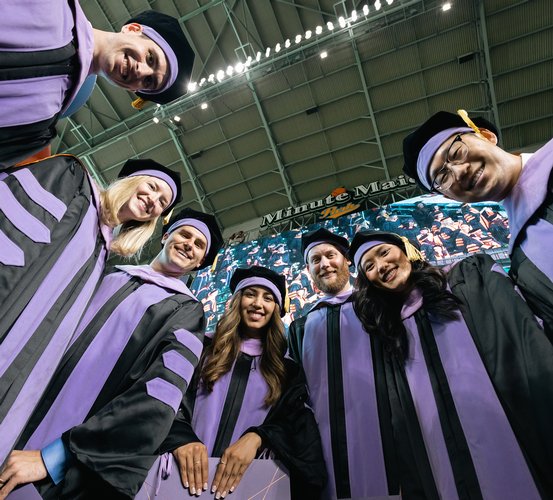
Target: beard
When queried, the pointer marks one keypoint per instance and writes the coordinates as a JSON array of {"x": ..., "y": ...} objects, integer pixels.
[{"x": 337, "y": 284}]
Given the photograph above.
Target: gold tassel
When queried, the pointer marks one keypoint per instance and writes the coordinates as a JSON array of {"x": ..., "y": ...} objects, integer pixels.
[
  {"x": 167, "y": 218},
  {"x": 465, "y": 116},
  {"x": 286, "y": 300},
  {"x": 139, "y": 103},
  {"x": 412, "y": 253},
  {"x": 214, "y": 265}
]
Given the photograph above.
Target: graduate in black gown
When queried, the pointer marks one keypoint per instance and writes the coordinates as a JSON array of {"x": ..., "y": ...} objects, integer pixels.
[
  {"x": 103, "y": 419},
  {"x": 56, "y": 229},
  {"x": 248, "y": 397},
  {"x": 468, "y": 372}
]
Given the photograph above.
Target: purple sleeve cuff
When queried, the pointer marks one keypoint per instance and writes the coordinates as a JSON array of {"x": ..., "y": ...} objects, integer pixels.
[{"x": 56, "y": 458}]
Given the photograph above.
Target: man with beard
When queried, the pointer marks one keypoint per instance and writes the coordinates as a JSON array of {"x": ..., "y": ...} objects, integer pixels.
[{"x": 337, "y": 356}]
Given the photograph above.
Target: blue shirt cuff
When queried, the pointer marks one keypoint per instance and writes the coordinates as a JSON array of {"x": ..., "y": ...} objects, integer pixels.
[{"x": 56, "y": 458}]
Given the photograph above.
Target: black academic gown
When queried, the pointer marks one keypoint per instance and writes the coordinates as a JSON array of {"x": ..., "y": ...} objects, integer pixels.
[
  {"x": 118, "y": 388},
  {"x": 518, "y": 360},
  {"x": 287, "y": 429},
  {"x": 52, "y": 254}
]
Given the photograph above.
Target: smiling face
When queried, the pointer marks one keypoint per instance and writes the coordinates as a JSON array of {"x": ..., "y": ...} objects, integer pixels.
[
  {"x": 132, "y": 60},
  {"x": 487, "y": 173},
  {"x": 328, "y": 268},
  {"x": 148, "y": 200},
  {"x": 387, "y": 267},
  {"x": 257, "y": 306},
  {"x": 183, "y": 251}
]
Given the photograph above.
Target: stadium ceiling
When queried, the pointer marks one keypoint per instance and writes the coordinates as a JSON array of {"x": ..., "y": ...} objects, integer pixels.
[{"x": 292, "y": 126}]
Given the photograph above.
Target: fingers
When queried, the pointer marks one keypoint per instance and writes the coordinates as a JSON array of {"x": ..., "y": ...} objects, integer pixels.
[
  {"x": 205, "y": 468},
  {"x": 181, "y": 460},
  {"x": 193, "y": 467},
  {"x": 238, "y": 478},
  {"x": 229, "y": 475},
  {"x": 219, "y": 473}
]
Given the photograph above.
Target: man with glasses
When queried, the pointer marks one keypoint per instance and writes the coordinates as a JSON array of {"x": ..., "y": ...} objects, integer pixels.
[{"x": 460, "y": 159}]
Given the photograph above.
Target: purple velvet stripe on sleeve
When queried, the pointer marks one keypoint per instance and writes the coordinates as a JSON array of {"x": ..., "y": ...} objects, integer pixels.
[
  {"x": 10, "y": 253},
  {"x": 165, "y": 392},
  {"x": 39, "y": 195},
  {"x": 177, "y": 363},
  {"x": 78, "y": 249},
  {"x": 498, "y": 460},
  {"x": 80, "y": 390},
  {"x": 20, "y": 218},
  {"x": 427, "y": 413},
  {"x": 3, "y": 175},
  {"x": 190, "y": 341}
]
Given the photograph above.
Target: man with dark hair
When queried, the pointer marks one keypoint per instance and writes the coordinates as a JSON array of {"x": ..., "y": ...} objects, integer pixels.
[
  {"x": 47, "y": 51},
  {"x": 337, "y": 357},
  {"x": 110, "y": 406},
  {"x": 452, "y": 155}
]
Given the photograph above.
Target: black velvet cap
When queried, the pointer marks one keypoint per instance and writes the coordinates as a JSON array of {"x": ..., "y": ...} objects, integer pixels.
[
  {"x": 264, "y": 273},
  {"x": 362, "y": 237},
  {"x": 323, "y": 235},
  {"x": 415, "y": 141},
  {"x": 214, "y": 232},
  {"x": 135, "y": 165},
  {"x": 170, "y": 30}
]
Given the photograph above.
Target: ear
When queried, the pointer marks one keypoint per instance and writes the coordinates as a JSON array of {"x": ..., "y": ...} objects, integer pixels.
[
  {"x": 489, "y": 135},
  {"x": 164, "y": 238},
  {"x": 132, "y": 28}
]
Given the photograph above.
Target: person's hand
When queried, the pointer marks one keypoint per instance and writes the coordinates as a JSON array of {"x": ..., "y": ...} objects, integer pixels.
[
  {"x": 193, "y": 466},
  {"x": 21, "y": 467},
  {"x": 234, "y": 462}
]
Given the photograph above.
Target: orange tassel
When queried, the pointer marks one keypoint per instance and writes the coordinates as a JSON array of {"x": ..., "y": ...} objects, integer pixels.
[{"x": 139, "y": 103}]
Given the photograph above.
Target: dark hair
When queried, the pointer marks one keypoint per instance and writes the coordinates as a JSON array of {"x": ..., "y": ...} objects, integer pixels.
[{"x": 380, "y": 311}]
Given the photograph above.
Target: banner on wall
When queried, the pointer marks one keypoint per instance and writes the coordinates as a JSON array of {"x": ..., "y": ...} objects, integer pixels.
[
  {"x": 445, "y": 231},
  {"x": 339, "y": 202}
]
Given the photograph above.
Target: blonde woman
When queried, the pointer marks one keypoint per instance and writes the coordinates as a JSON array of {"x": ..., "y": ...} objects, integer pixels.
[
  {"x": 247, "y": 397},
  {"x": 56, "y": 230}
]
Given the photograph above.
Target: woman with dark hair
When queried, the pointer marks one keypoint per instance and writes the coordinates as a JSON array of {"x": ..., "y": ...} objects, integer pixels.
[
  {"x": 465, "y": 369},
  {"x": 247, "y": 397}
]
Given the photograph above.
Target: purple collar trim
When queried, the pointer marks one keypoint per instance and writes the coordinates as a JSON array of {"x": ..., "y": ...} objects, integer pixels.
[
  {"x": 364, "y": 248},
  {"x": 146, "y": 273},
  {"x": 315, "y": 243},
  {"x": 195, "y": 223},
  {"x": 252, "y": 347},
  {"x": 173, "y": 65},
  {"x": 159, "y": 175},
  {"x": 529, "y": 191},
  {"x": 412, "y": 304},
  {"x": 332, "y": 299},
  {"x": 264, "y": 282},
  {"x": 428, "y": 151}
]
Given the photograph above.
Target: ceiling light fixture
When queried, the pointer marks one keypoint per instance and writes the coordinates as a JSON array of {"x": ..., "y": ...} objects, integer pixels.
[
  {"x": 446, "y": 6},
  {"x": 204, "y": 105},
  {"x": 324, "y": 54}
]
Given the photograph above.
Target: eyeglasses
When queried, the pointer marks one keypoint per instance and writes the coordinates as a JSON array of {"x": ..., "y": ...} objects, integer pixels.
[{"x": 456, "y": 154}]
